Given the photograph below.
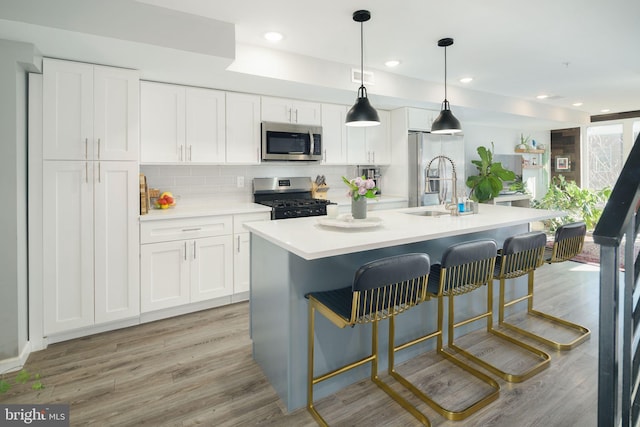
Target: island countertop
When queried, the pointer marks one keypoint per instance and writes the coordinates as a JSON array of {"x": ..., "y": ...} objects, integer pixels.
[{"x": 310, "y": 240}]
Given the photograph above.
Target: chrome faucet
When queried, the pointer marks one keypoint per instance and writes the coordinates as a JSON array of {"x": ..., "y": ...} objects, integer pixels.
[{"x": 453, "y": 205}]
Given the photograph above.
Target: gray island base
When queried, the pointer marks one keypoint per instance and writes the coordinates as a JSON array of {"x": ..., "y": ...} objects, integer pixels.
[{"x": 290, "y": 258}]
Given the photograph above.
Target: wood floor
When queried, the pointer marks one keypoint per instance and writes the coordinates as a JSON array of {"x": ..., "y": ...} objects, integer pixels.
[{"x": 197, "y": 370}]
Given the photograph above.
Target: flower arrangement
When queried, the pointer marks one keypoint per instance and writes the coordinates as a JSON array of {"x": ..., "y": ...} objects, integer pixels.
[{"x": 361, "y": 187}]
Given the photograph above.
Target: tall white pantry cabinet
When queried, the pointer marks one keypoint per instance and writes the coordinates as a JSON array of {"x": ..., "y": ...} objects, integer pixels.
[{"x": 90, "y": 195}]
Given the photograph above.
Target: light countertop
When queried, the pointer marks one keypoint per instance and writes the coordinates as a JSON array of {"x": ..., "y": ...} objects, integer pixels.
[
  {"x": 206, "y": 208},
  {"x": 310, "y": 240}
]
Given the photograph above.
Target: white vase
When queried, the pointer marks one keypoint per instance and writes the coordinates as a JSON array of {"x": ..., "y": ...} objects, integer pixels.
[{"x": 359, "y": 208}]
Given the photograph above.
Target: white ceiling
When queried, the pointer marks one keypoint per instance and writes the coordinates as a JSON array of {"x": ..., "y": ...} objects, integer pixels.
[{"x": 572, "y": 50}]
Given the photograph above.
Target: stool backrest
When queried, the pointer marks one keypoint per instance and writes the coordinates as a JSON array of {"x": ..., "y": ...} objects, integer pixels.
[
  {"x": 569, "y": 240},
  {"x": 467, "y": 266},
  {"x": 522, "y": 253},
  {"x": 389, "y": 286}
]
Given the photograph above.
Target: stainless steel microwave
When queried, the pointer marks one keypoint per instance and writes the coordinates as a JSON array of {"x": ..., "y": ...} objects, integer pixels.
[{"x": 284, "y": 141}]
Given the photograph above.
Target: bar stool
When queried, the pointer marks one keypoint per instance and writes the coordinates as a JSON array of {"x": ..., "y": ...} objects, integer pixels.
[
  {"x": 520, "y": 256},
  {"x": 464, "y": 267},
  {"x": 568, "y": 242},
  {"x": 381, "y": 289}
]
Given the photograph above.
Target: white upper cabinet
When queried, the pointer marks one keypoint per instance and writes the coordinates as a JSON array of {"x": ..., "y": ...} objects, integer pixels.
[
  {"x": 243, "y": 128},
  {"x": 162, "y": 122},
  {"x": 181, "y": 124},
  {"x": 90, "y": 112},
  {"x": 205, "y": 126},
  {"x": 290, "y": 111},
  {"x": 419, "y": 119},
  {"x": 370, "y": 145},
  {"x": 334, "y": 134}
]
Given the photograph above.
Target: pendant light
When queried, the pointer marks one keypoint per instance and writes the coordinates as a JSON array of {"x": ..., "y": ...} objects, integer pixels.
[
  {"x": 362, "y": 113},
  {"x": 446, "y": 121}
]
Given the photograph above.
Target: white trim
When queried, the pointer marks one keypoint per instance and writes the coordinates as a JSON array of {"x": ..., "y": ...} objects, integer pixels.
[
  {"x": 13, "y": 364},
  {"x": 91, "y": 330},
  {"x": 36, "y": 332}
]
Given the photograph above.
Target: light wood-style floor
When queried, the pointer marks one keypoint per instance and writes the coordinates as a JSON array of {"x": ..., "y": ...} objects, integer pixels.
[{"x": 197, "y": 370}]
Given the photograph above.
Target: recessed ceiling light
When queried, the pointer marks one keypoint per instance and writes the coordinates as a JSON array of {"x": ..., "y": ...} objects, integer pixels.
[
  {"x": 542, "y": 96},
  {"x": 273, "y": 36},
  {"x": 605, "y": 110},
  {"x": 577, "y": 104},
  {"x": 466, "y": 80},
  {"x": 392, "y": 63}
]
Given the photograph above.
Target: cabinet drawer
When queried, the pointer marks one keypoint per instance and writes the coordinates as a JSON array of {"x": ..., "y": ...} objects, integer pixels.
[
  {"x": 185, "y": 228},
  {"x": 239, "y": 220}
]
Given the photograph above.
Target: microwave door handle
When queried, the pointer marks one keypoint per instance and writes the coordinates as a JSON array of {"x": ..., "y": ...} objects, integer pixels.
[{"x": 311, "y": 143}]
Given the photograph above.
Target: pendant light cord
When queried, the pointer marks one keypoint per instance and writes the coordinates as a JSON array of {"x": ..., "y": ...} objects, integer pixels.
[
  {"x": 362, "y": 54},
  {"x": 445, "y": 73}
]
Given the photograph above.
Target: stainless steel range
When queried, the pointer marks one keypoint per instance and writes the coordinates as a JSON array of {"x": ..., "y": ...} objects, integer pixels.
[{"x": 288, "y": 197}]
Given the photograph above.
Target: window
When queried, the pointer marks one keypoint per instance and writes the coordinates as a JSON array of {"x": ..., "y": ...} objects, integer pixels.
[{"x": 605, "y": 155}]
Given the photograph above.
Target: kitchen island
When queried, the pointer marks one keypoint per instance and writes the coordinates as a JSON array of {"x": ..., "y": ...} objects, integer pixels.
[{"x": 292, "y": 257}]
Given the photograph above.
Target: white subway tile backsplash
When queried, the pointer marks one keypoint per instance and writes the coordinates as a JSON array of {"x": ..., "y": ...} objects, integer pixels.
[{"x": 220, "y": 181}]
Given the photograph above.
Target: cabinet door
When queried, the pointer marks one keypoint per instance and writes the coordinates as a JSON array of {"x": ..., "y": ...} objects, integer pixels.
[
  {"x": 334, "y": 134},
  {"x": 306, "y": 113},
  {"x": 276, "y": 110},
  {"x": 243, "y": 128},
  {"x": 241, "y": 263},
  {"x": 162, "y": 123},
  {"x": 205, "y": 122},
  {"x": 116, "y": 114},
  {"x": 290, "y": 111},
  {"x": 379, "y": 140},
  {"x": 67, "y": 245},
  {"x": 211, "y": 267},
  {"x": 356, "y": 146},
  {"x": 164, "y": 278},
  {"x": 117, "y": 204},
  {"x": 67, "y": 110}
]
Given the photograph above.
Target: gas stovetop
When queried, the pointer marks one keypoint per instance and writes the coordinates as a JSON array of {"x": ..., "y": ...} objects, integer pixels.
[{"x": 288, "y": 197}]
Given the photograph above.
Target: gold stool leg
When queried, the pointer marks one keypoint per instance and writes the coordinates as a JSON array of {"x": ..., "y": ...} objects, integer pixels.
[
  {"x": 447, "y": 413},
  {"x": 583, "y": 332},
  {"x": 310, "y": 379},
  {"x": 544, "y": 358}
]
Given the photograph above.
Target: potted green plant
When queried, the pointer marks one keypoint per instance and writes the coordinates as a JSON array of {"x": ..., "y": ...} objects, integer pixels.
[{"x": 489, "y": 181}]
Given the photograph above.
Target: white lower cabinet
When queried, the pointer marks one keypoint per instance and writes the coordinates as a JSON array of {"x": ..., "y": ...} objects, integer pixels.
[
  {"x": 191, "y": 260},
  {"x": 184, "y": 261},
  {"x": 184, "y": 271},
  {"x": 89, "y": 243},
  {"x": 242, "y": 250}
]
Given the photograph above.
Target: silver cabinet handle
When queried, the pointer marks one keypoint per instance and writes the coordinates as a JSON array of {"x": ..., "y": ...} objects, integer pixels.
[
  {"x": 98, "y": 148},
  {"x": 194, "y": 249},
  {"x": 86, "y": 172},
  {"x": 86, "y": 148},
  {"x": 192, "y": 229},
  {"x": 190, "y": 151},
  {"x": 238, "y": 244},
  {"x": 99, "y": 173},
  {"x": 296, "y": 115},
  {"x": 185, "y": 250},
  {"x": 181, "y": 150}
]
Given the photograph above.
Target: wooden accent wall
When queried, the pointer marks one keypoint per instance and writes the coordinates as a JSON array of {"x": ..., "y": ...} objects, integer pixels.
[{"x": 565, "y": 154}]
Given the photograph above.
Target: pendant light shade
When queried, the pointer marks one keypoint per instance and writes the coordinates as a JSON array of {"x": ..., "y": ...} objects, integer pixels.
[
  {"x": 446, "y": 121},
  {"x": 362, "y": 113}
]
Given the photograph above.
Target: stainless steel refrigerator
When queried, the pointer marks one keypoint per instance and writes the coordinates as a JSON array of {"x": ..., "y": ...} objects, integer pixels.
[{"x": 432, "y": 159}]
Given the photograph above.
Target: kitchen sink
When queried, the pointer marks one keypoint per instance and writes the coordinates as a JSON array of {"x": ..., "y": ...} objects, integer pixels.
[{"x": 428, "y": 213}]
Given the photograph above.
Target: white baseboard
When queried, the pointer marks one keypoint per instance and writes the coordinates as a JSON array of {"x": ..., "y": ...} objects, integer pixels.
[{"x": 13, "y": 364}]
